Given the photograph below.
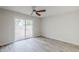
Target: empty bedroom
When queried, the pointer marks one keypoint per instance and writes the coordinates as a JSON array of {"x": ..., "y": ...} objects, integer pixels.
[{"x": 39, "y": 29}]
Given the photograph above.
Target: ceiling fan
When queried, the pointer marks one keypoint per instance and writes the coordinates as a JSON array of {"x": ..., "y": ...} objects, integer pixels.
[{"x": 37, "y": 12}]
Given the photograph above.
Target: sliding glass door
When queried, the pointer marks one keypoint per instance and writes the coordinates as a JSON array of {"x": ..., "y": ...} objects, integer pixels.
[
  {"x": 23, "y": 29},
  {"x": 28, "y": 28},
  {"x": 19, "y": 29}
]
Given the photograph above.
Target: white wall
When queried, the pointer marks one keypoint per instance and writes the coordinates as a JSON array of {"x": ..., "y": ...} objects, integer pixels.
[
  {"x": 64, "y": 27},
  {"x": 7, "y": 29}
]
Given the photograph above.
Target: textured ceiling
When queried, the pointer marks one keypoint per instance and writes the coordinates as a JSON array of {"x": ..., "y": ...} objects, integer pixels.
[{"x": 50, "y": 10}]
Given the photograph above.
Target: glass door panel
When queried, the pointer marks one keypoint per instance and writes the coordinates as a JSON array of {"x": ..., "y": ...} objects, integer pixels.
[
  {"x": 29, "y": 28},
  {"x": 19, "y": 29},
  {"x": 23, "y": 29}
]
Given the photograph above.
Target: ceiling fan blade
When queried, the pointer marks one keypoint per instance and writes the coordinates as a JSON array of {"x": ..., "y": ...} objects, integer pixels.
[
  {"x": 38, "y": 14},
  {"x": 41, "y": 11}
]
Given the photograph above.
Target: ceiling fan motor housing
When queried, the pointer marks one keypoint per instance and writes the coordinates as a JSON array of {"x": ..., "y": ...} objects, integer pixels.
[{"x": 34, "y": 10}]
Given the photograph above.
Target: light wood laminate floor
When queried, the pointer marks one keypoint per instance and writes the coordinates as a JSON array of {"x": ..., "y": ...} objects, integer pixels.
[{"x": 40, "y": 44}]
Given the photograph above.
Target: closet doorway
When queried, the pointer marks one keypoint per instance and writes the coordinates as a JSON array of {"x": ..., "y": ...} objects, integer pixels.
[{"x": 23, "y": 29}]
